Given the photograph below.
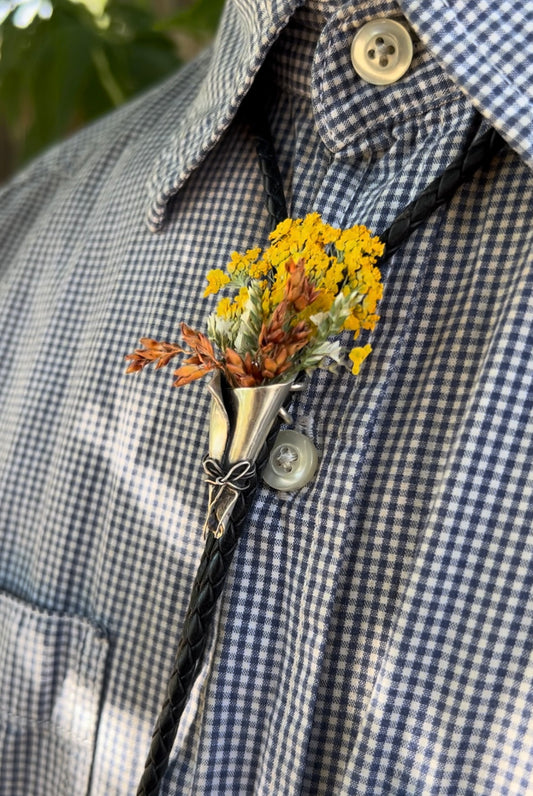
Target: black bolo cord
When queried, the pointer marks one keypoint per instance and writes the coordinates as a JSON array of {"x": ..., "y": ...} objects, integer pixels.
[
  {"x": 218, "y": 553},
  {"x": 478, "y": 153}
]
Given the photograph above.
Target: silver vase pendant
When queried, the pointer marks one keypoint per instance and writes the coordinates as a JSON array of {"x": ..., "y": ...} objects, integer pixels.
[{"x": 240, "y": 421}]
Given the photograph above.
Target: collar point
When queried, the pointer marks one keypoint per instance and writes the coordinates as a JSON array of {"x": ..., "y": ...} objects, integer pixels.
[{"x": 156, "y": 216}]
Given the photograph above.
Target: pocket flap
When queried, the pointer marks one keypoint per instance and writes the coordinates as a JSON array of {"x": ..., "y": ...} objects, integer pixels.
[{"x": 52, "y": 668}]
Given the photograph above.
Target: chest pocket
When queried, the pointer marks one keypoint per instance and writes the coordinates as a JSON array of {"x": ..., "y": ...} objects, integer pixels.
[{"x": 51, "y": 678}]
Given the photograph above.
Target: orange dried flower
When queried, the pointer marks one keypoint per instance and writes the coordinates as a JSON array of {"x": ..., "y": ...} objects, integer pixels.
[{"x": 153, "y": 352}]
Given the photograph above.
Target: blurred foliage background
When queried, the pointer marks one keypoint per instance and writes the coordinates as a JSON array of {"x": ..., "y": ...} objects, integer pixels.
[{"x": 64, "y": 62}]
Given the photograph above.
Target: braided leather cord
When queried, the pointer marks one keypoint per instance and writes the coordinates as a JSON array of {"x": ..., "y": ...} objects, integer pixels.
[
  {"x": 206, "y": 589},
  {"x": 254, "y": 113},
  {"x": 275, "y": 196},
  {"x": 441, "y": 190}
]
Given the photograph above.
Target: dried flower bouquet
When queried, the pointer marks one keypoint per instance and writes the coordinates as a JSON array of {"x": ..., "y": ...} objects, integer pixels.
[{"x": 285, "y": 304}]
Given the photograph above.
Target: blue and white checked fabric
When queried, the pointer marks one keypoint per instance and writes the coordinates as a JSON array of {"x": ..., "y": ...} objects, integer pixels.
[
  {"x": 487, "y": 49},
  {"x": 375, "y": 634}
]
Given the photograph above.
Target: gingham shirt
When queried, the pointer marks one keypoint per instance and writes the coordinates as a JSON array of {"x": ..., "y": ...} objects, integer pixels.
[{"x": 374, "y": 636}]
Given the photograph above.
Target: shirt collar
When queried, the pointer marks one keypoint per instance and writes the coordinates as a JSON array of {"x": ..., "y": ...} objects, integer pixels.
[
  {"x": 485, "y": 46},
  {"x": 246, "y": 32},
  {"x": 248, "y": 29}
]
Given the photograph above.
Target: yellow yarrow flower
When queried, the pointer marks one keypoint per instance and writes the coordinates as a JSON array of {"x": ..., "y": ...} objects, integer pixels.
[
  {"x": 216, "y": 279},
  {"x": 285, "y": 305},
  {"x": 332, "y": 278},
  {"x": 370, "y": 322},
  {"x": 361, "y": 238},
  {"x": 371, "y": 299},
  {"x": 322, "y": 303},
  {"x": 277, "y": 255},
  {"x": 224, "y": 308},
  {"x": 297, "y": 238},
  {"x": 240, "y": 299},
  {"x": 329, "y": 234},
  {"x": 278, "y": 289},
  {"x": 281, "y": 230},
  {"x": 267, "y": 304},
  {"x": 361, "y": 279},
  {"x": 317, "y": 262},
  {"x": 352, "y": 324},
  {"x": 259, "y": 269},
  {"x": 358, "y": 355},
  {"x": 310, "y": 226},
  {"x": 241, "y": 263}
]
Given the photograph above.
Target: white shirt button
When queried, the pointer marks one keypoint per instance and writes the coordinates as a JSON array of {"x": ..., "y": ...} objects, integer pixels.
[
  {"x": 292, "y": 462},
  {"x": 382, "y": 51}
]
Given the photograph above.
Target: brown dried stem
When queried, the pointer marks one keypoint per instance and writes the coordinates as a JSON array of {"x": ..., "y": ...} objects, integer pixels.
[{"x": 153, "y": 352}]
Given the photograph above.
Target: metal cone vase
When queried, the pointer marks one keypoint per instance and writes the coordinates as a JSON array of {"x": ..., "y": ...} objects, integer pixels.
[{"x": 240, "y": 422}]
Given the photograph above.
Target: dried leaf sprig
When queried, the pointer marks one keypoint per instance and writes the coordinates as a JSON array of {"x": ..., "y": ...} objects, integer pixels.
[{"x": 285, "y": 304}]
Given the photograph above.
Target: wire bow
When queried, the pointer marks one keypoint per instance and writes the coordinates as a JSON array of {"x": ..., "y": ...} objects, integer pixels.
[{"x": 224, "y": 487}]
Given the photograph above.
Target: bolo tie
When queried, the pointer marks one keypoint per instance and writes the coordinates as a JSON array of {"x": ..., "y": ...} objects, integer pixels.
[{"x": 232, "y": 485}]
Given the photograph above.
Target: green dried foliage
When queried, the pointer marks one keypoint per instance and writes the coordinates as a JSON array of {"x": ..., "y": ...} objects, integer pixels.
[{"x": 57, "y": 74}]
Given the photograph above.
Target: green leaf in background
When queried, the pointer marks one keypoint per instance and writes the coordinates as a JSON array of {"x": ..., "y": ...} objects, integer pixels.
[
  {"x": 63, "y": 63},
  {"x": 199, "y": 18}
]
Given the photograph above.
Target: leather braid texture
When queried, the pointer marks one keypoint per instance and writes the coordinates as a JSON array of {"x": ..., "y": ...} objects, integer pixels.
[
  {"x": 275, "y": 196},
  {"x": 440, "y": 191},
  {"x": 206, "y": 589},
  {"x": 253, "y": 111}
]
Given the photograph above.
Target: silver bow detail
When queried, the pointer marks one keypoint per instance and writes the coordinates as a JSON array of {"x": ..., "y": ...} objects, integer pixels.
[{"x": 231, "y": 482}]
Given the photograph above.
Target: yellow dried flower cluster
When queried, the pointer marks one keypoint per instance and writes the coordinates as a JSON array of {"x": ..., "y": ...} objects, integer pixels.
[
  {"x": 286, "y": 304},
  {"x": 226, "y": 308},
  {"x": 334, "y": 261}
]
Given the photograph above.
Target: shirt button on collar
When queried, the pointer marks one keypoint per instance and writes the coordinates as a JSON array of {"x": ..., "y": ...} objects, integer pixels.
[
  {"x": 382, "y": 52},
  {"x": 292, "y": 462}
]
